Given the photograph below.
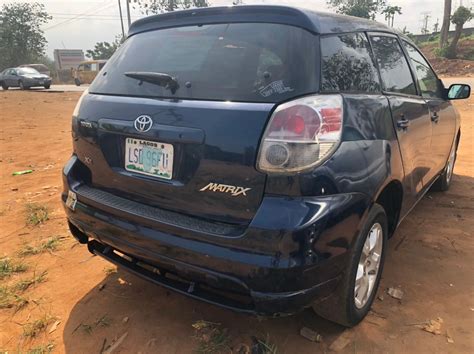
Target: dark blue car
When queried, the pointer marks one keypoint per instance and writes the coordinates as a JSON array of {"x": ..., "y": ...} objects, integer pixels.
[{"x": 259, "y": 157}]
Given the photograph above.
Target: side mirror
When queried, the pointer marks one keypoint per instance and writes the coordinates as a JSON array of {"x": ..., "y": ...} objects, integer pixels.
[{"x": 459, "y": 91}]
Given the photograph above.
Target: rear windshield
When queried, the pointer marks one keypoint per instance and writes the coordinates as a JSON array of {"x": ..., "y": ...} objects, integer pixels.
[{"x": 255, "y": 62}]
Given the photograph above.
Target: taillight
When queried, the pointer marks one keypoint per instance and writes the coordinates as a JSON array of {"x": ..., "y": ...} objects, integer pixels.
[{"x": 301, "y": 134}]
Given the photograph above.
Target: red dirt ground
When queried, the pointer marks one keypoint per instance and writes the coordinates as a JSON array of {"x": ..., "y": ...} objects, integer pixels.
[{"x": 430, "y": 259}]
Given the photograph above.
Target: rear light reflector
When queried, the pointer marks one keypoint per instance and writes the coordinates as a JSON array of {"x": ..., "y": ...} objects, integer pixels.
[{"x": 301, "y": 134}]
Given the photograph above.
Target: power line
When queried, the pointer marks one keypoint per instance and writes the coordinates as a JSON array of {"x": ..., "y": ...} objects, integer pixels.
[
  {"x": 66, "y": 15},
  {"x": 92, "y": 18},
  {"x": 101, "y": 8}
]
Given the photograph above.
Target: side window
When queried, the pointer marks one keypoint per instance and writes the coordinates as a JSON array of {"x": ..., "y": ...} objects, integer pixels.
[
  {"x": 94, "y": 66},
  {"x": 87, "y": 67},
  {"x": 347, "y": 64},
  {"x": 429, "y": 84},
  {"x": 394, "y": 69},
  {"x": 80, "y": 67}
]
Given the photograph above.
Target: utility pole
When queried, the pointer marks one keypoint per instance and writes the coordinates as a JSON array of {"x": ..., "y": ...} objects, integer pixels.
[
  {"x": 128, "y": 13},
  {"x": 121, "y": 19},
  {"x": 436, "y": 26},
  {"x": 426, "y": 17}
]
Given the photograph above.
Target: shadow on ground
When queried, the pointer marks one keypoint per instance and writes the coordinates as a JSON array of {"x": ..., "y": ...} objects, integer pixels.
[
  {"x": 428, "y": 259},
  {"x": 161, "y": 321}
]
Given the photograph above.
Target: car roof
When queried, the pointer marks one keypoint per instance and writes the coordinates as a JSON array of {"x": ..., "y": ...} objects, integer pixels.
[
  {"x": 313, "y": 21},
  {"x": 93, "y": 61},
  {"x": 30, "y": 65}
]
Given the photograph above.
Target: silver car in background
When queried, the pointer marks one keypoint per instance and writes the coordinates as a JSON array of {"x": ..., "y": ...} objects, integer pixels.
[
  {"x": 41, "y": 68},
  {"x": 24, "y": 78}
]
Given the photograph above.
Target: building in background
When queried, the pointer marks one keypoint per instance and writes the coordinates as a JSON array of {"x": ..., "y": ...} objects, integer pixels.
[{"x": 65, "y": 59}]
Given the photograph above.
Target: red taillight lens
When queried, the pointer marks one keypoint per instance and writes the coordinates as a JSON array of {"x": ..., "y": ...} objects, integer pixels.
[
  {"x": 294, "y": 122},
  {"x": 301, "y": 134},
  {"x": 332, "y": 118}
]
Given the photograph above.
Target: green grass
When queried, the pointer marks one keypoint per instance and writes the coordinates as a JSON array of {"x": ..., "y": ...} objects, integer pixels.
[
  {"x": 42, "y": 349},
  {"x": 110, "y": 270},
  {"x": 32, "y": 329},
  {"x": 36, "y": 214},
  {"x": 87, "y": 328},
  {"x": 264, "y": 346},
  {"x": 50, "y": 245},
  {"x": 8, "y": 267},
  {"x": 9, "y": 299},
  {"x": 211, "y": 338},
  {"x": 24, "y": 284},
  {"x": 104, "y": 321}
]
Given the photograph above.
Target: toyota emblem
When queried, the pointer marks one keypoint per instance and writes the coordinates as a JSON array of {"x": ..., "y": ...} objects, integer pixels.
[{"x": 143, "y": 123}]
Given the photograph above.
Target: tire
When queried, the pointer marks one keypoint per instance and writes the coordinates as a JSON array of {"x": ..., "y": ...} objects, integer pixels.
[
  {"x": 77, "y": 82},
  {"x": 4, "y": 86},
  {"x": 22, "y": 86},
  {"x": 47, "y": 86},
  {"x": 444, "y": 180},
  {"x": 346, "y": 306}
]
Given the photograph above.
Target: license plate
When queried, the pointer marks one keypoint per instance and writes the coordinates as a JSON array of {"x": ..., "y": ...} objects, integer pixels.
[
  {"x": 149, "y": 158},
  {"x": 71, "y": 200}
]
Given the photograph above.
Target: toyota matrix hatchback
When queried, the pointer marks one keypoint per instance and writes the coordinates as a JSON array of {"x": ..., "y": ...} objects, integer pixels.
[{"x": 258, "y": 157}]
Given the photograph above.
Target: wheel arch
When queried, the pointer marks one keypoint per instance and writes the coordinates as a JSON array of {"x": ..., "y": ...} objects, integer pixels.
[{"x": 390, "y": 198}]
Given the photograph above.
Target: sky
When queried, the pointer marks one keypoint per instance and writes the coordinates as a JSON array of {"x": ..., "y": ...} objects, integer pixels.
[{"x": 79, "y": 24}]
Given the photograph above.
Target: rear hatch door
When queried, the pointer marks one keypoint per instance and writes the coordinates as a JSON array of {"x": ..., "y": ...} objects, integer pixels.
[{"x": 192, "y": 148}]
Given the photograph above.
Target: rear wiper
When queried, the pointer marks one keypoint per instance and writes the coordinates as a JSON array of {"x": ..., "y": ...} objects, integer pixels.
[{"x": 165, "y": 80}]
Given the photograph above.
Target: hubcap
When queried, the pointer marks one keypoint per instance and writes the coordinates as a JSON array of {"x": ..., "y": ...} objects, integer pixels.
[
  {"x": 368, "y": 267},
  {"x": 450, "y": 167}
]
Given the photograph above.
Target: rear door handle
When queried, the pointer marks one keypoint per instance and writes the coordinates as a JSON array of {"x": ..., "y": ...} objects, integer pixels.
[
  {"x": 403, "y": 123},
  {"x": 435, "y": 117}
]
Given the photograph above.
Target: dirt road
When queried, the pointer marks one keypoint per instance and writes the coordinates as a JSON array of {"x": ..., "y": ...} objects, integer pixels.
[
  {"x": 57, "y": 88},
  {"x": 71, "y": 302}
]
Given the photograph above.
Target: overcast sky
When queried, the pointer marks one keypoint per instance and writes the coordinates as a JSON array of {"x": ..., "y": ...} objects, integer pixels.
[{"x": 79, "y": 24}]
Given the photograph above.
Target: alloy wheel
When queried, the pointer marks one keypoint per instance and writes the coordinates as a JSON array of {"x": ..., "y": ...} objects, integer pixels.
[
  {"x": 450, "y": 167},
  {"x": 368, "y": 267}
]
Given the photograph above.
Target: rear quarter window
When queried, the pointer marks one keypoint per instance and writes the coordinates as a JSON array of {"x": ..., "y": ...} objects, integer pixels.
[
  {"x": 346, "y": 64},
  {"x": 393, "y": 66},
  {"x": 256, "y": 62}
]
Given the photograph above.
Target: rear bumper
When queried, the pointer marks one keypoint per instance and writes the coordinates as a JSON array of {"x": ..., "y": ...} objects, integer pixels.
[{"x": 292, "y": 254}]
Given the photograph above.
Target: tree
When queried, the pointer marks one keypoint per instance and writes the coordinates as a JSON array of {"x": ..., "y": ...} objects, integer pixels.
[
  {"x": 390, "y": 12},
  {"x": 158, "y": 6},
  {"x": 104, "y": 50},
  {"x": 21, "y": 39},
  {"x": 459, "y": 18},
  {"x": 443, "y": 36},
  {"x": 358, "y": 8}
]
